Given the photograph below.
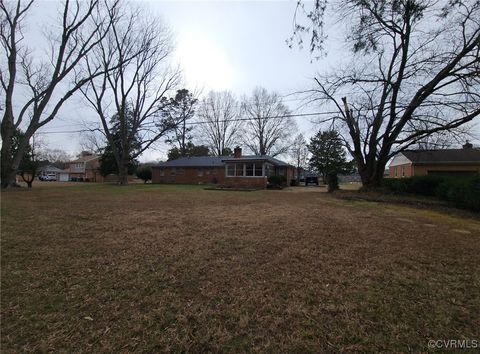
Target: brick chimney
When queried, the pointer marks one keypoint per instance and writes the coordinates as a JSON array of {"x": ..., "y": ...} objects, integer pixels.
[
  {"x": 467, "y": 145},
  {"x": 86, "y": 153},
  {"x": 237, "y": 152}
]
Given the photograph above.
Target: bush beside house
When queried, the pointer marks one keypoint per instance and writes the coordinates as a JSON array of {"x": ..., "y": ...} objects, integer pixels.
[
  {"x": 276, "y": 182},
  {"x": 144, "y": 173},
  {"x": 461, "y": 192}
]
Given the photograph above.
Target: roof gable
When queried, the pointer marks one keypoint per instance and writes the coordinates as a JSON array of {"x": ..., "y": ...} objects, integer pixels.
[
  {"x": 400, "y": 159},
  {"x": 49, "y": 168},
  {"x": 86, "y": 158}
]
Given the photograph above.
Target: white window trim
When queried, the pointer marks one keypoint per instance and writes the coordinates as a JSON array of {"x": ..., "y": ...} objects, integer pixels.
[
  {"x": 244, "y": 164},
  {"x": 226, "y": 170}
]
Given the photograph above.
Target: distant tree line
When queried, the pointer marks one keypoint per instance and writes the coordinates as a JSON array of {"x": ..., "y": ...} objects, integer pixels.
[{"x": 412, "y": 79}]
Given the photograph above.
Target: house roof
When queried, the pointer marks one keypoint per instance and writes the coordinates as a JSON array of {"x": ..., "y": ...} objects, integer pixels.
[
  {"x": 217, "y": 161},
  {"x": 267, "y": 158},
  {"x": 49, "y": 168},
  {"x": 194, "y": 161},
  {"x": 443, "y": 156},
  {"x": 85, "y": 158}
]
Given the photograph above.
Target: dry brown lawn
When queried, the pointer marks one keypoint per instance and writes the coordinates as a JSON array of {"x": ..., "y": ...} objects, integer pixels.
[{"x": 149, "y": 268}]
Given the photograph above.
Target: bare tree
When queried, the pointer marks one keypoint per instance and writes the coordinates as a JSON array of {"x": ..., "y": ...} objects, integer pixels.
[
  {"x": 269, "y": 126},
  {"x": 220, "y": 124},
  {"x": 92, "y": 140},
  {"x": 444, "y": 139},
  {"x": 130, "y": 94},
  {"x": 39, "y": 85},
  {"x": 414, "y": 72},
  {"x": 299, "y": 154},
  {"x": 53, "y": 155}
]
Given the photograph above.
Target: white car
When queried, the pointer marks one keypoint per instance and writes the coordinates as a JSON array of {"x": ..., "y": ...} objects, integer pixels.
[{"x": 48, "y": 177}]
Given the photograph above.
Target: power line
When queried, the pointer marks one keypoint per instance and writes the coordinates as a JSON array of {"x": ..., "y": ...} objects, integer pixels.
[
  {"x": 66, "y": 131},
  {"x": 274, "y": 117},
  {"x": 203, "y": 122},
  {"x": 284, "y": 98}
]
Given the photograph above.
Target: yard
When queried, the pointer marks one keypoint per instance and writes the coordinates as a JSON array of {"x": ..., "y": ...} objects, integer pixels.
[{"x": 153, "y": 268}]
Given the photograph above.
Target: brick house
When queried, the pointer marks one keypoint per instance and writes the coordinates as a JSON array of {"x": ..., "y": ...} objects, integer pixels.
[
  {"x": 228, "y": 171},
  {"x": 85, "y": 168},
  {"x": 444, "y": 162}
]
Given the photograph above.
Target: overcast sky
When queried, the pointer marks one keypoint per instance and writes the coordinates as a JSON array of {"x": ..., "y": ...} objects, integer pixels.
[{"x": 221, "y": 45}]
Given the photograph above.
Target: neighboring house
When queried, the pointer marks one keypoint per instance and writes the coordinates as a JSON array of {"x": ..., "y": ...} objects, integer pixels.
[
  {"x": 228, "y": 171},
  {"x": 85, "y": 168},
  {"x": 48, "y": 170},
  {"x": 446, "y": 162},
  {"x": 63, "y": 176}
]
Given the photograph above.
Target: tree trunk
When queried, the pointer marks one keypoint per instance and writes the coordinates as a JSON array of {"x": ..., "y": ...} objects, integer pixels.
[
  {"x": 28, "y": 179},
  {"x": 10, "y": 179},
  {"x": 7, "y": 173},
  {"x": 8, "y": 176},
  {"x": 123, "y": 174},
  {"x": 372, "y": 176},
  {"x": 9, "y": 163},
  {"x": 370, "y": 182}
]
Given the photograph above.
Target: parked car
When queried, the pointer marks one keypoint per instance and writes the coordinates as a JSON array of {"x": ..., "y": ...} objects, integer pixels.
[
  {"x": 48, "y": 177},
  {"x": 311, "y": 180}
]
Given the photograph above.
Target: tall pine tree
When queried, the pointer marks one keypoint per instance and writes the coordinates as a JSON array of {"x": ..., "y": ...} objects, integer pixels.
[
  {"x": 328, "y": 154},
  {"x": 180, "y": 110}
]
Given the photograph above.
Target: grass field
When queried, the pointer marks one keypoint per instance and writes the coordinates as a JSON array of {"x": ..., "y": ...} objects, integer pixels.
[{"x": 150, "y": 268}]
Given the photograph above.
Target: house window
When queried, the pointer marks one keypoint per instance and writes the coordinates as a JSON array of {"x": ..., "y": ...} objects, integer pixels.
[
  {"x": 249, "y": 169},
  {"x": 244, "y": 169},
  {"x": 403, "y": 171},
  {"x": 239, "y": 169},
  {"x": 200, "y": 172},
  {"x": 162, "y": 172},
  {"x": 173, "y": 172},
  {"x": 396, "y": 171}
]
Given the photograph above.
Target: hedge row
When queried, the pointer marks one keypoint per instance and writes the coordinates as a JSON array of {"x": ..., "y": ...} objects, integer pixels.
[
  {"x": 461, "y": 192},
  {"x": 277, "y": 181}
]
